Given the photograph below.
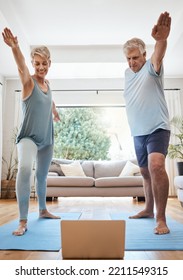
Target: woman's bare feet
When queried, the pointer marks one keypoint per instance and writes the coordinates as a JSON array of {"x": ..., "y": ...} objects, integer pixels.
[
  {"x": 22, "y": 228},
  {"x": 142, "y": 214},
  {"x": 45, "y": 214},
  {"x": 161, "y": 228}
]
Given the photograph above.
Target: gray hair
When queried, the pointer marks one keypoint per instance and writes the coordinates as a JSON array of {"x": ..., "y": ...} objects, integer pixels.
[
  {"x": 134, "y": 43},
  {"x": 43, "y": 51}
]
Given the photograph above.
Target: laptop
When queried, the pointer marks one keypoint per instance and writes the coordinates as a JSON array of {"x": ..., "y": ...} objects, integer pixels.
[{"x": 93, "y": 239}]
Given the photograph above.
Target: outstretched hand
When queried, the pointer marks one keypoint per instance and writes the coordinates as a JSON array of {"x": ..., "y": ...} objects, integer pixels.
[
  {"x": 161, "y": 30},
  {"x": 9, "y": 38}
]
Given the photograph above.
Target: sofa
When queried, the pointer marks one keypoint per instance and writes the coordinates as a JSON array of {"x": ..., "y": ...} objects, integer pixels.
[
  {"x": 118, "y": 178},
  {"x": 178, "y": 183}
]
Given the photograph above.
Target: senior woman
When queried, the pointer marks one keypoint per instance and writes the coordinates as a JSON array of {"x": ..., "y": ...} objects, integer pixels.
[{"x": 35, "y": 137}]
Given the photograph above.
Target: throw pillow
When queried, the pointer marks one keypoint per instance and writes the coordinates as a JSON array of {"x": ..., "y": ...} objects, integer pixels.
[
  {"x": 55, "y": 167},
  {"x": 130, "y": 169},
  {"x": 73, "y": 169}
]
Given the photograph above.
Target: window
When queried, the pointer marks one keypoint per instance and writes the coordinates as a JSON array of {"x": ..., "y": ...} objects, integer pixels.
[{"x": 93, "y": 133}]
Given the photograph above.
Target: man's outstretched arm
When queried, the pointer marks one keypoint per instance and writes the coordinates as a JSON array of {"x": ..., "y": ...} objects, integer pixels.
[{"x": 160, "y": 33}]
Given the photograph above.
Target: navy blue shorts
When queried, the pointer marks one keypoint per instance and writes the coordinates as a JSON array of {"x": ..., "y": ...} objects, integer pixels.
[{"x": 156, "y": 142}]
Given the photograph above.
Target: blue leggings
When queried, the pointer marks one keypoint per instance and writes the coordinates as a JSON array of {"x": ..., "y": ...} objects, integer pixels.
[{"x": 28, "y": 153}]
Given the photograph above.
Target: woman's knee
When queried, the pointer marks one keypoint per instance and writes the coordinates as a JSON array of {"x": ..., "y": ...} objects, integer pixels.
[{"x": 25, "y": 170}]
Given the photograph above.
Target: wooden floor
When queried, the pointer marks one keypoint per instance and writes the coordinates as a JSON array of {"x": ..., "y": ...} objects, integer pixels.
[{"x": 91, "y": 208}]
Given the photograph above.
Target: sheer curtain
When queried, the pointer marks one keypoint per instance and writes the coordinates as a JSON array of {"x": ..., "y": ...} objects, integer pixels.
[
  {"x": 173, "y": 99},
  {"x": 18, "y": 110}
]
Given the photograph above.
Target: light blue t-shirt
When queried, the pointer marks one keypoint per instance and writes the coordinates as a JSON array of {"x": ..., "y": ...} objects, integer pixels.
[
  {"x": 37, "y": 123},
  {"x": 145, "y": 101}
]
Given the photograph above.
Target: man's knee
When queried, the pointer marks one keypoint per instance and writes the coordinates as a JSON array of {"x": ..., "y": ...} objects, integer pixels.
[
  {"x": 145, "y": 173},
  {"x": 157, "y": 168},
  {"x": 156, "y": 163}
]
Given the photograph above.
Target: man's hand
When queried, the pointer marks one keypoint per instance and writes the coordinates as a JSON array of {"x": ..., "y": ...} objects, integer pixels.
[
  {"x": 161, "y": 30},
  {"x": 9, "y": 38}
]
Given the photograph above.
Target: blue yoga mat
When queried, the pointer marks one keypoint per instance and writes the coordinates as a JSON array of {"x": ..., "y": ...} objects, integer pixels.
[
  {"x": 42, "y": 234},
  {"x": 140, "y": 237}
]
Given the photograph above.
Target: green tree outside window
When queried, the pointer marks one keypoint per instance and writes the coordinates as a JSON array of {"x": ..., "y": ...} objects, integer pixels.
[{"x": 81, "y": 135}]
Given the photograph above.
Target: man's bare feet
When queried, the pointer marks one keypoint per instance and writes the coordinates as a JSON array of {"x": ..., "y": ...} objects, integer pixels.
[
  {"x": 142, "y": 214},
  {"x": 45, "y": 214},
  {"x": 161, "y": 228},
  {"x": 22, "y": 228}
]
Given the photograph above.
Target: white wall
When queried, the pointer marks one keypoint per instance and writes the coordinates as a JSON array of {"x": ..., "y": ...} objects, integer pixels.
[
  {"x": 0, "y": 130},
  {"x": 1, "y": 100},
  {"x": 8, "y": 114},
  {"x": 88, "y": 91}
]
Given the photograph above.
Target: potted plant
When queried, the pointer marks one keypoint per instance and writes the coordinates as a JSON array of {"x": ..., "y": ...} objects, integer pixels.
[
  {"x": 175, "y": 151},
  {"x": 10, "y": 170}
]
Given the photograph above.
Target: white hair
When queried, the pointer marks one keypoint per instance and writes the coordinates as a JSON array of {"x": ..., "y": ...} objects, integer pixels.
[{"x": 134, "y": 43}]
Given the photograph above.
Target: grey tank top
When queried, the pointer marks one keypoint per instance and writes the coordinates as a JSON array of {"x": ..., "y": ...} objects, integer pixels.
[{"x": 37, "y": 123}]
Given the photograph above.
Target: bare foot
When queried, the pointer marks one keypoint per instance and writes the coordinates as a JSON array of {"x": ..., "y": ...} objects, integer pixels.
[
  {"x": 22, "y": 228},
  {"x": 161, "y": 228},
  {"x": 142, "y": 214},
  {"x": 45, "y": 214}
]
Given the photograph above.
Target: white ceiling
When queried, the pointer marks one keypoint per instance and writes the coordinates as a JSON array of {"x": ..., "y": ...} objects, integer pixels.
[{"x": 86, "y": 36}]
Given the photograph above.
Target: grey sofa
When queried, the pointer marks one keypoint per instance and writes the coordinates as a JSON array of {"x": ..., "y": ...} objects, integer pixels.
[{"x": 101, "y": 179}]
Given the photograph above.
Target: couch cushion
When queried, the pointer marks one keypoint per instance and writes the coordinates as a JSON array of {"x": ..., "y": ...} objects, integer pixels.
[
  {"x": 130, "y": 181},
  {"x": 88, "y": 167},
  {"x": 53, "y": 174},
  {"x": 108, "y": 168},
  {"x": 180, "y": 195},
  {"x": 130, "y": 169},
  {"x": 73, "y": 169},
  {"x": 55, "y": 165},
  {"x": 56, "y": 181},
  {"x": 178, "y": 182}
]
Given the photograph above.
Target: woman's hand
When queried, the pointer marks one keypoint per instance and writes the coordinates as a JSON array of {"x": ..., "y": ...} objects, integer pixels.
[
  {"x": 56, "y": 116},
  {"x": 9, "y": 38}
]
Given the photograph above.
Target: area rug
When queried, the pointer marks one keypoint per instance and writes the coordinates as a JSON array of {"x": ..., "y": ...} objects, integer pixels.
[
  {"x": 42, "y": 234},
  {"x": 140, "y": 237}
]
